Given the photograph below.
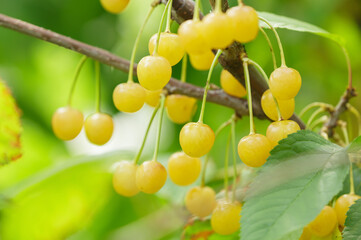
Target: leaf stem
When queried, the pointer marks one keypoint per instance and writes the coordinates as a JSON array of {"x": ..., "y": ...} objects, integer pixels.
[
  {"x": 77, "y": 72},
  {"x": 136, "y": 43},
  {"x": 233, "y": 134},
  {"x": 156, "y": 150},
  {"x": 206, "y": 88},
  {"x": 184, "y": 68},
  {"x": 137, "y": 157},
  {"x": 97, "y": 86},
  {"x": 169, "y": 17},
  {"x": 271, "y": 48},
  {"x": 283, "y": 61},
  {"x": 155, "y": 53},
  {"x": 249, "y": 97}
]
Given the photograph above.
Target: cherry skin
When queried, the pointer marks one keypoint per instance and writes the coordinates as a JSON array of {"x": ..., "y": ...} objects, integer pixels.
[
  {"x": 152, "y": 97},
  {"x": 124, "y": 179},
  {"x": 306, "y": 234},
  {"x": 129, "y": 97},
  {"x": 324, "y": 223},
  {"x": 99, "y": 128},
  {"x": 279, "y": 130},
  {"x": 226, "y": 217},
  {"x": 196, "y": 139},
  {"x": 285, "y": 83},
  {"x": 67, "y": 123},
  {"x": 217, "y": 30},
  {"x": 269, "y": 106},
  {"x": 202, "y": 61},
  {"x": 200, "y": 201},
  {"x": 154, "y": 72},
  {"x": 342, "y": 205},
  {"x": 180, "y": 108},
  {"x": 254, "y": 150},
  {"x": 231, "y": 85},
  {"x": 114, "y": 6},
  {"x": 183, "y": 170},
  {"x": 245, "y": 23},
  {"x": 150, "y": 177},
  {"x": 170, "y": 47},
  {"x": 190, "y": 34}
]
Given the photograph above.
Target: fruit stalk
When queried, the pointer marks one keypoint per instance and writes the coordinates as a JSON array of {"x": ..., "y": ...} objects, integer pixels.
[
  {"x": 156, "y": 150},
  {"x": 155, "y": 53},
  {"x": 249, "y": 97},
  {"x": 233, "y": 134},
  {"x": 77, "y": 71},
  {"x": 271, "y": 48},
  {"x": 97, "y": 85}
]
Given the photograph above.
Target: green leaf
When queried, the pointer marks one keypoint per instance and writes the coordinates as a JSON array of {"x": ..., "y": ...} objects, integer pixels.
[
  {"x": 300, "y": 177},
  {"x": 203, "y": 230},
  {"x": 355, "y": 146},
  {"x": 10, "y": 127},
  {"x": 297, "y": 25},
  {"x": 353, "y": 222}
]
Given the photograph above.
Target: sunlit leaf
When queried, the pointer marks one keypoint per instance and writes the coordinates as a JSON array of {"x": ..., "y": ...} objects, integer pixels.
[
  {"x": 10, "y": 127},
  {"x": 353, "y": 222}
]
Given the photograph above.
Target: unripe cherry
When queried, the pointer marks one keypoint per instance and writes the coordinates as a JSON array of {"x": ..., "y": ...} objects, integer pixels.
[
  {"x": 218, "y": 30},
  {"x": 152, "y": 97},
  {"x": 279, "y": 130},
  {"x": 67, "y": 123},
  {"x": 99, "y": 128},
  {"x": 114, "y": 6},
  {"x": 170, "y": 47},
  {"x": 254, "y": 150},
  {"x": 226, "y": 217},
  {"x": 154, "y": 72},
  {"x": 342, "y": 205},
  {"x": 285, "y": 83},
  {"x": 200, "y": 201},
  {"x": 269, "y": 106},
  {"x": 231, "y": 85},
  {"x": 183, "y": 170},
  {"x": 324, "y": 223},
  {"x": 196, "y": 139},
  {"x": 202, "y": 61},
  {"x": 180, "y": 108},
  {"x": 129, "y": 97},
  {"x": 190, "y": 33},
  {"x": 245, "y": 23},
  {"x": 150, "y": 176},
  {"x": 124, "y": 179}
]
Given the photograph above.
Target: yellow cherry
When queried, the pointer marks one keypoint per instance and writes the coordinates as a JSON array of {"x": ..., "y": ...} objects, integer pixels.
[
  {"x": 226, "y": 217},
  {"x": 152, "y": 97},
  {"x": 254, "y": 150},
  {"x": 342, "y": 205},
  {"x": 114, "y": 6},
  {"x": 190, "y": 34},
  {"x": 269, "y": 106},
  {"x": 154, "y": 72},
  {"x": 180, "y": 108},
  {"x": 217, "y": 30},
  {"x": 183, "y": 170},
  {"x": 150, "y": 177},
  {"x": 279, "y": 130},
  {"x": 67, "y": 123},
  {"x": 306, "y": 234},
  {"x": 285, "y": 83},
  {"x": 245, "y": 23},
  {"x": 196, "y": 139},
  {"x": 324, "y": 223},
  {"x": 124, "y": 179},
  {"x": 99, "y": 128},
  {"x": 129, "y": 97},
  {"x": 170, "y": 47},
  {"x": 200, "y": 201},
  {"x": 231, "y": 85},
  {"x": 202, "y": 61}
]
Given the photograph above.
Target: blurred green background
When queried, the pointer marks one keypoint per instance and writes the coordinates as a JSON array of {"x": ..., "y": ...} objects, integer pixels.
[{"x": 63, "y": 190}]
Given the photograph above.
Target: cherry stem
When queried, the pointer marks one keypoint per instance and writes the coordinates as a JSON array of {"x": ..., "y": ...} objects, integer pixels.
[
  {"x": 196, "y": 10},
  {"x": 155, "y": 53},
  {"x": 77, "y": 72},
  {"x": 136, "y": 43},
  {"x": 347, "y": 141},
  {"x": 348, "y": 61},
  {"x": 313, "y": 116},
  {"x": 156, "y": 150},
  {"x": 218, "y": 8},
  {"x": 240, "y": 2},
  {"x": 169, "y": 17},
  {"x": 206, "y": 88},
  {"x": 97, "y": 86},
  {"x": 226, "y": 166},
  {"x": 220, "y": 128},
  {"x": 271, "y": 48},
  {"x": 184, "y": 68},
  {"x": 137, "y": 157},
  {"x": 356, "y": 113},
  {"x": 315, "y": 104},
  {"x": 249, "y": 97},
  {"x": 267, "y": 81},
  {"x": 283, "y": 61},
  {"x": 233, "y": 133},
  {"x": 321, "y": 119}
]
